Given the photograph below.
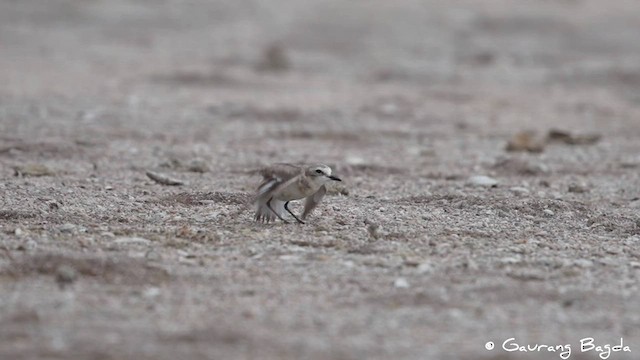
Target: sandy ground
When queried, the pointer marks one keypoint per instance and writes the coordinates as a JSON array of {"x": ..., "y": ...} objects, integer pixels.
[{"x": 406, "y": 100}]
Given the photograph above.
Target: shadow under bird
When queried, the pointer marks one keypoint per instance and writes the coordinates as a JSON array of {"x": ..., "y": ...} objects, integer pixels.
[{"x": 283, "y": 183}]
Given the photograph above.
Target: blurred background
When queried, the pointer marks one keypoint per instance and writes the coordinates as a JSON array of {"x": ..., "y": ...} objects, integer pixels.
[
  {"x": 190, "y": 65},
  {"x": 497, "y": 42}
]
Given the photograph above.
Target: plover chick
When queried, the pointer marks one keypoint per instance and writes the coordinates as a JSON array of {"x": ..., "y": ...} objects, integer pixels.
[{"x": 283, "y": 183}]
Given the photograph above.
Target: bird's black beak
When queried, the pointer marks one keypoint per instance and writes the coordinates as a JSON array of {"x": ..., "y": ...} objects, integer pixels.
[{"x": 335, "y": 178}]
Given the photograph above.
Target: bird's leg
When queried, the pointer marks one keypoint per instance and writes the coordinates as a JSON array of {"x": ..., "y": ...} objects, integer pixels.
[
  {"x": 286, "y": 207},
  {"x": 273, "y": 211}
]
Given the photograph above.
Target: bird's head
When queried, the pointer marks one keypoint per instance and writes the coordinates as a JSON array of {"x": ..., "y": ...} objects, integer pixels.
[{"x": 321, "y": 173}]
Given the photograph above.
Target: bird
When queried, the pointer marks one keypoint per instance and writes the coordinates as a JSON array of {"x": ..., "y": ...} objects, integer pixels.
[{"x": 283, "y": 183}]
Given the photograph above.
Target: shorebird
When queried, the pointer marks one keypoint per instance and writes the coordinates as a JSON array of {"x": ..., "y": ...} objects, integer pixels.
[{"x": 283, "y": 183}]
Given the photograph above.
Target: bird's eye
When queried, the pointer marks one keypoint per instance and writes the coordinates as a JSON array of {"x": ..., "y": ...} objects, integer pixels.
[{"x": 318, "y": 171}]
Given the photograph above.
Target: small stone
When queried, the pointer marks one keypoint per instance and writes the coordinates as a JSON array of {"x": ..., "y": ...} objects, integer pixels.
[
  {"x": 470, "y": 264},
  {"x": 401, "y": 283},
  {"x": 389, "y": 108},
  {"x": 578, "y": 188},
  {"x": 151, "y": 292},
  {"x": 66, "y": 275},
  {"x": 481, "y": 180},
  {"x": 354, "y": 160},
  {"x": 289, "y": 257},
  {"x": 632, "y": 240},
  {"x": 583, "y": 263},
  {"x": 198, "y": 166},
  {"x": 548, "y": 212},
  {"x": 28, "y": 245},
  {"x": 425, "y": 268},
  {"x": 631, "y": 163},
  {"x": 528, "y": 274},
  {"x": 153, "y": 255},
  {"x": 131, "y": 241},
  {"x": 163, "y": 179},
  {"x": 511, "y": 260},
  {"x": 520, "y": 166},
  {"x": 609, "y": 261},
  {"x": 443, "y": 248},
  {"x": 335, "y": 188},
  {"x": 171, "y": 163},
  {"x": 635, "y": 264},
  {"x": 411, "y": 262},
  {"x": 519, "y": 190},
  {"x": 33, "y": 170},
  {"x": 18, "y": 232},
  {"x": 614, "y": 250},
  {"x": 373, "y": 229},
  {"x": 572, "y": 139},
  {"x": 526, "y": 141},
  {"x": 274, "y": 58},
  {"x": 67, "y": 228}
]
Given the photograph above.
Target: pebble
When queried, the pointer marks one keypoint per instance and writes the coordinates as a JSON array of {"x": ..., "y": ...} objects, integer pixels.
[
  {"x": 481, "y": 180},
  {"x": 568, "y": 138},
  {"x": 526, "y": 141},
  {"x": 389, "y": 108},
  {"x": 519, "y": 190},
  {"x": 614, "y": 250},
  {"x": 528, "y": 274},
  {"x": 548, "y": 212},
  {"x": 289, "y": 257},
  {"x": 401, "y": 283},
  {"x": 578, "y": 188},
  {"x": 153, "y": 255},
  {"x": 151, "y": 292},
  {"x": 274, "y": 58},
  {"x": 67, "y": 228},
  {"x": 425, "y": 268},
  {"x": 632, "y": 240},
  {"x": 609, "y": 261},
  {"x": 131, "y": 241},
  {"x": 373, "y": 229},
  {"x": 521, "y": 166},
  {"x": 198, "y": 166},
  {"x": 66, "y": 275},
  {"x": 511, "y": 260},
  {"x": 583, "y": 263},
  {"x": 164, "y": 179},
  {"x": 33, "y": 170},
  {"x": 354, "y": 160}
]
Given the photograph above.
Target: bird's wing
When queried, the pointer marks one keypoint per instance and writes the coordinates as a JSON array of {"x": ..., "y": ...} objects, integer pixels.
[
  {"x": 281, "y": 171},
  {"x": 277, "y": 176},
  {"x": 313, "y": 201}
]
